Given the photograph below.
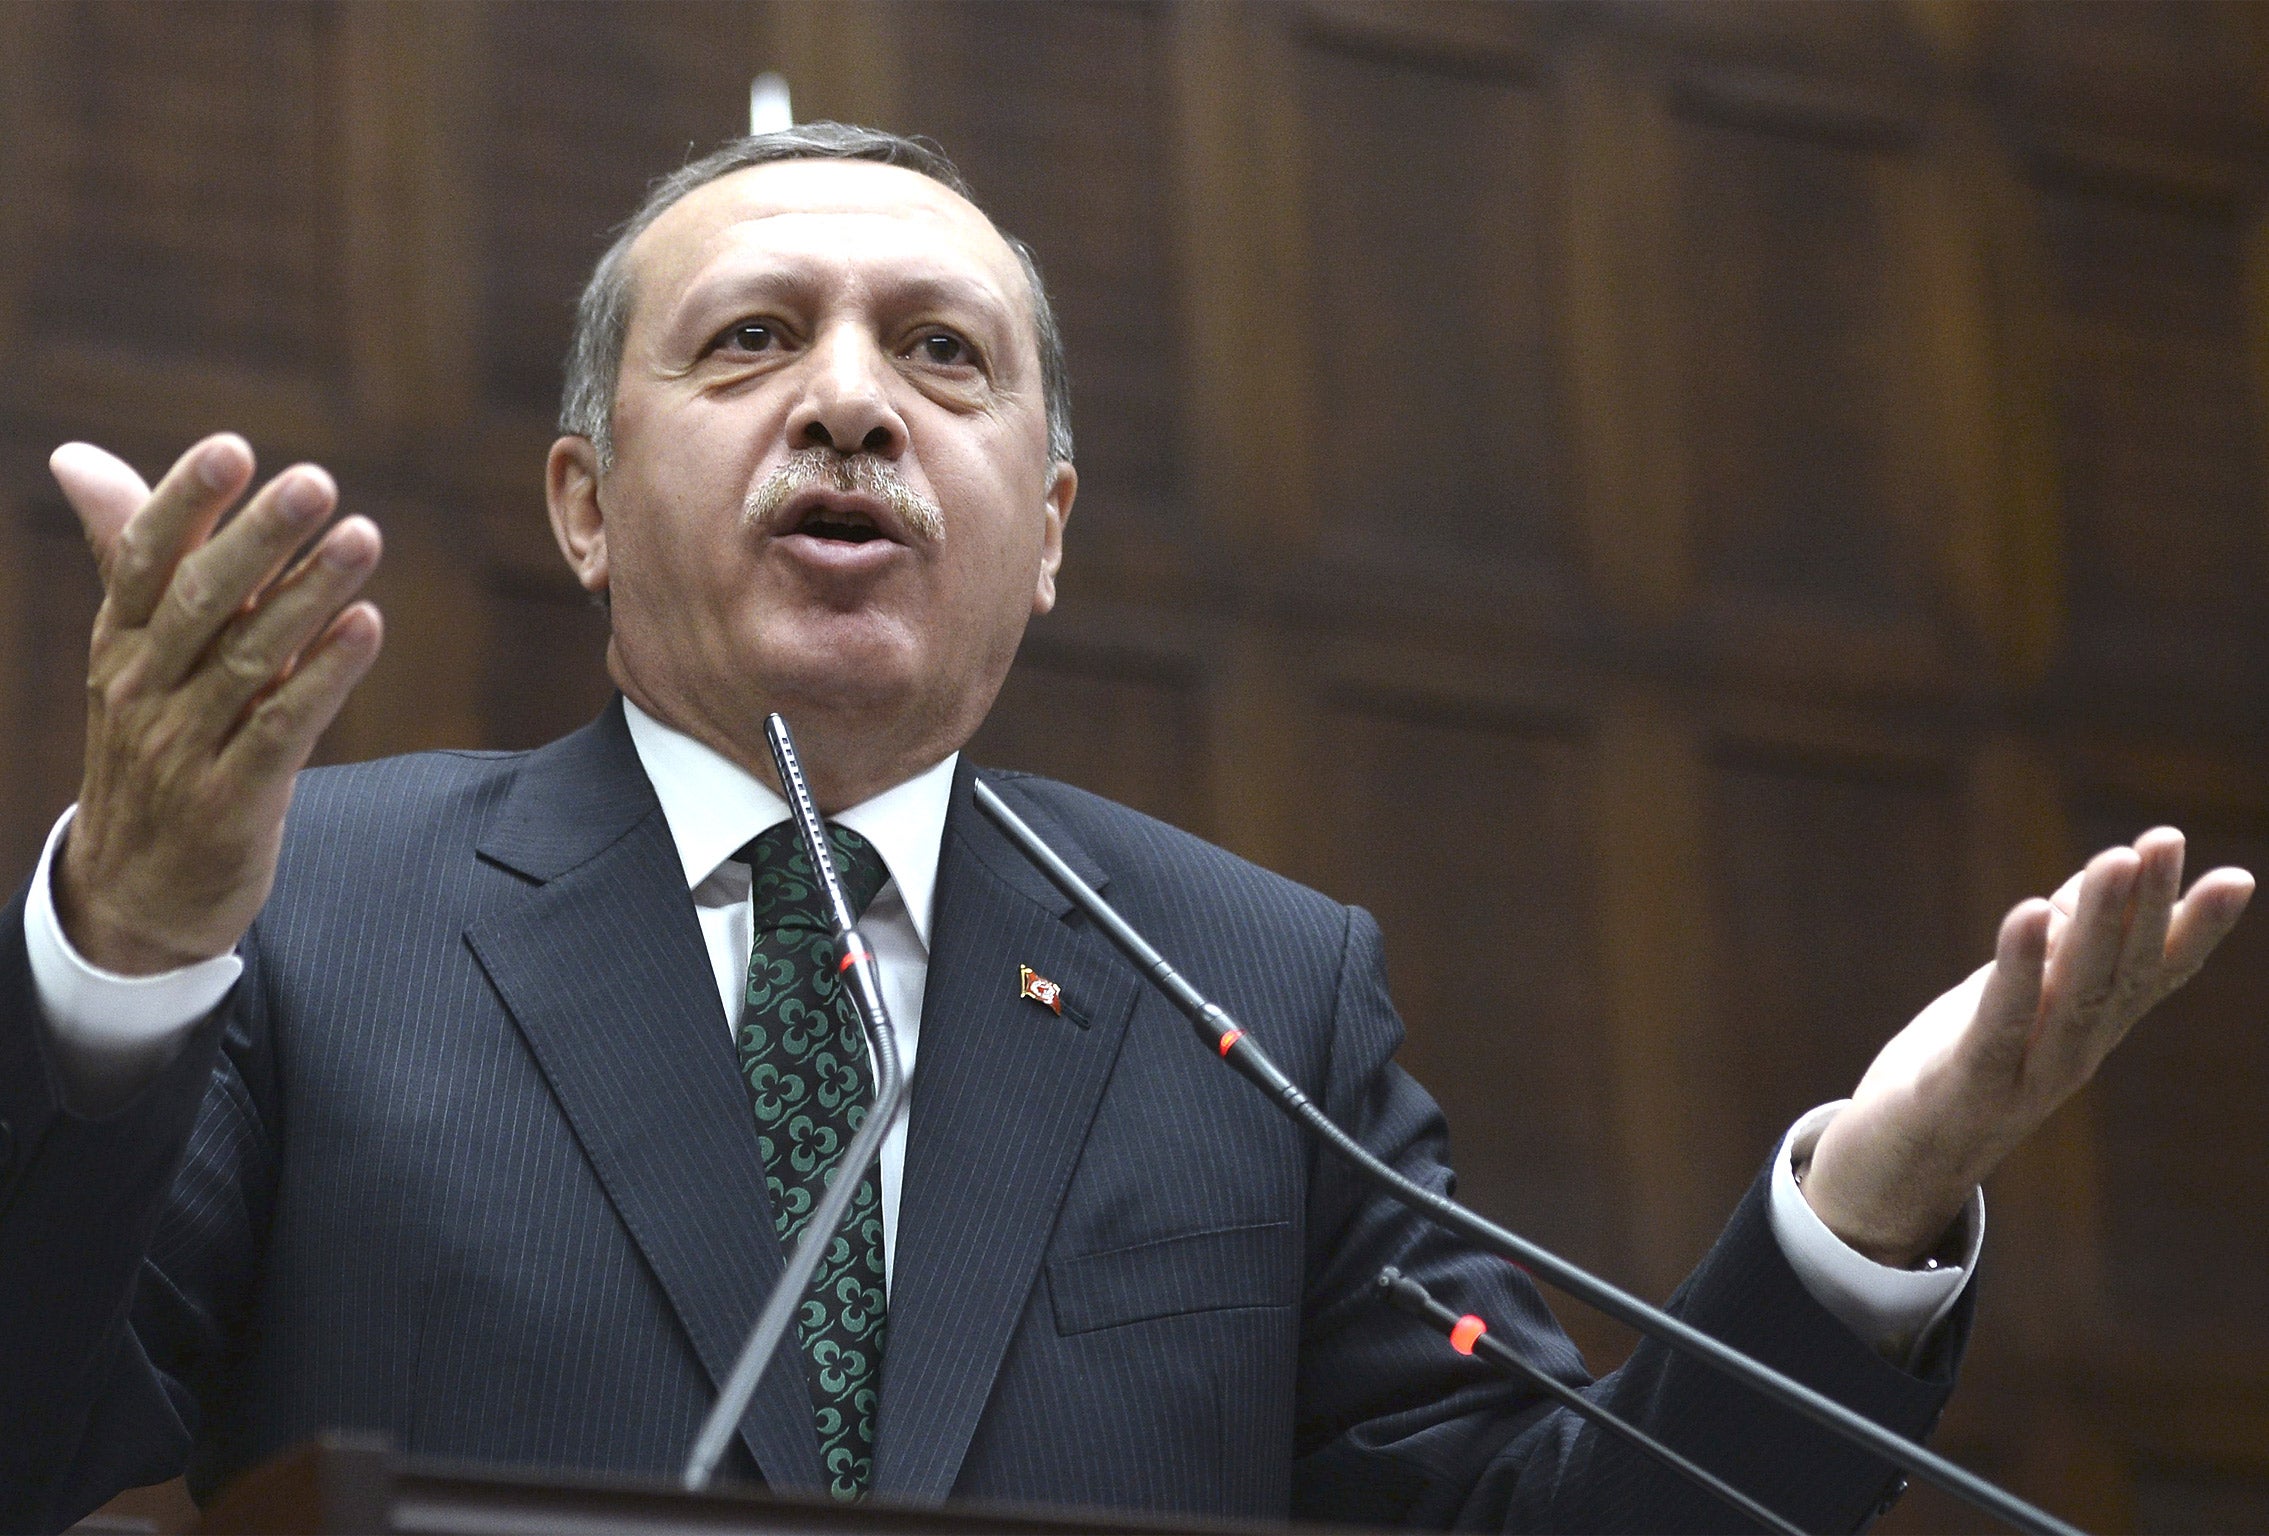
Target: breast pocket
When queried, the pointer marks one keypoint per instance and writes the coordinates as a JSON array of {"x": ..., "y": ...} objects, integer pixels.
[{"x": 1254, "y": 1266}]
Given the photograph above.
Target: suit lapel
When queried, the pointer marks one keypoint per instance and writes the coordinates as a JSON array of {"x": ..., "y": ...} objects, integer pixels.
[
  {"x": 1004, "y": 1093},
  {"x": 604, "y": 969}
]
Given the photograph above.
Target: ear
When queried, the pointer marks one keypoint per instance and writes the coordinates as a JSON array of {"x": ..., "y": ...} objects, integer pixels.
[
  {"x": 1055, "y": 510},
  {"x": 571, "y": 492}
]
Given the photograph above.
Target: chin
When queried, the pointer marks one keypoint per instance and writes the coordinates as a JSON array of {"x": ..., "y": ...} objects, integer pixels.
[{"x": 833, "y": 678}]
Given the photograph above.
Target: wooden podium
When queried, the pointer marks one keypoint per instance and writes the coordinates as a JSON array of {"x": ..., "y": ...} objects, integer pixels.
[{"x": 345, "y": 1483}]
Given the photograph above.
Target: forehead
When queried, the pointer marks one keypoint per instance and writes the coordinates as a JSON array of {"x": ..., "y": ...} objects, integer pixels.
[{"x": 852, "y": 212}]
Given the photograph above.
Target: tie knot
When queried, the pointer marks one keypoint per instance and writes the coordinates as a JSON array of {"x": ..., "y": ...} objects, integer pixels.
[{"x": 784, "y": 892}]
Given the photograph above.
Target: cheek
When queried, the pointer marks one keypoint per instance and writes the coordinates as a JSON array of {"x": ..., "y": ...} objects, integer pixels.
[
  {"x": 680, "y": 508},
  {"x": 693, "y": 450},
  {"x": 670, "y": 559},
  {"x": 998, "y": 576},
  {"x": 1003, "y": 508}
]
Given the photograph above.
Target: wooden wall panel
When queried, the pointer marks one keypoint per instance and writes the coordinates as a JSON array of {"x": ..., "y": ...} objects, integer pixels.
[
  {"x": 1845, "y": 53},
  {"x": 1016, "y": 94},
  {"x": 1836, "y": 893},
  {"x": 1124, "y": 726},
  {"x": 2189, "y": 71},
  {"x": 2186, "y": 1208},
  {"x": 59, "y": 595},
  {"x": 1439, "y": 384},
  {"x": 2166, "y": 550},
  {"x": 1796, "y": 367},
  {"x": 585, "y": 108},
  {"x": 541, "y": 673},
  {"x": 426, "y": 689},
  {"x": 1466, "y": 838},
  {"x": 2183, "y": 1500},
  {"x": 199, "y": 213}
]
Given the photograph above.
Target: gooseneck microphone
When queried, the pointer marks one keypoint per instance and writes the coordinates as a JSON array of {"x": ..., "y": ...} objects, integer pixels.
[
  {"x": 1469, "y": 1335},
  {"x": 1227, "y": 1038},
  {"x": 854, "y": 966}
]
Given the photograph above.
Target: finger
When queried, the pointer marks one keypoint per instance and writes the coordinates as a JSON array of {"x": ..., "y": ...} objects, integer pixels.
[
  {"x": 2009, "y": 1006},
  {"x": 102, "y": 488},
  {"x": 214, "y": 582},
  {"x": 2061, "y": 906},
  {"x": 2087, "y": 953},
  {"x": 2202, "y": 920},
  {"x": 2158, "y": 881},
  {"x": 184, "y": 507},
  {"x": 282, "y": 728},
  {"x": 256, "y": 651}
]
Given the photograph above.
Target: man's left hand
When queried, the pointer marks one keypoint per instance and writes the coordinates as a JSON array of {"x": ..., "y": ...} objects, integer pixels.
[{"x": 1974, "y": 1074}]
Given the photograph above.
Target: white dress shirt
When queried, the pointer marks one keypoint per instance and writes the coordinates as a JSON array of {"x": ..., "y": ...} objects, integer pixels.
[
  {"x": 112, "y": 1027},
  {"x": 714, "y": 807}
]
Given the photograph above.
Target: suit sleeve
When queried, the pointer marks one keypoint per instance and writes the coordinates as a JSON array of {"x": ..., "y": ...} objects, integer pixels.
[
  {"x": 1394, "y": 1428},
  {"x": 127, "y": 1243}
]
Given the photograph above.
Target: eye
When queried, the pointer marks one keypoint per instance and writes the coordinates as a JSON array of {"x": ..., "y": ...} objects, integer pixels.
[
  {"x": 944, "y": 349},
  {"x": 748, "y": 336}
]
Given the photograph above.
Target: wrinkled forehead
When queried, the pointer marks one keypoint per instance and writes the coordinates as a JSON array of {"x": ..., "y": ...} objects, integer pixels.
[{"x": 872, "y": 216}]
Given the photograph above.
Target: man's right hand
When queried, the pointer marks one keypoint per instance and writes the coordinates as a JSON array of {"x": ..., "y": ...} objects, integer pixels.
[{"x": 213, "y": 671}]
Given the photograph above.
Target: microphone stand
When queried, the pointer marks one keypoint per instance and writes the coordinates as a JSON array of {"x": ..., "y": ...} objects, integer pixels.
[
  {"x": 1469, "y": 1335},
  {"x": 1227, "y": 1037},
  {"x": 855, "y": 965}
]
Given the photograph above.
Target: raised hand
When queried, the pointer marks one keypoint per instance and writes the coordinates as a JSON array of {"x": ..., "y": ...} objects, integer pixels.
[
  {"x": 1979, "y": 1069},
  {"x": 212, "y": 672}
]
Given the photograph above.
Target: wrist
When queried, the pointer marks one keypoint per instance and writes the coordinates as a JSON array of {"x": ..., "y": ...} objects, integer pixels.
[
  {"x": 1946, "y": 1248},
  {"x": 101, "y": 938}
]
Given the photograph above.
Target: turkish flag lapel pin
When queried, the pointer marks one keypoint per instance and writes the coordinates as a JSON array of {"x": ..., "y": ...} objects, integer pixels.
[{"x": 1040, "y": 989}]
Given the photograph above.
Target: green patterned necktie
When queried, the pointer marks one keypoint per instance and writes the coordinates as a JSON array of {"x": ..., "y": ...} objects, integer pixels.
[{"x": 805, "y": 1060}]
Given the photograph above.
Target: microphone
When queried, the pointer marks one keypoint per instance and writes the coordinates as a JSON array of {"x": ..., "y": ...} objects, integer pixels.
[
  {"x": 1469, "y": 1335},
  {"x": 855, "y": 965},
  {"x": 1226, "y": 1037}
]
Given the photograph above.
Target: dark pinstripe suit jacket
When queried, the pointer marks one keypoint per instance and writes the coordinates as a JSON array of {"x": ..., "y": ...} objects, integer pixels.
[{"x": 465, "y": 1158}]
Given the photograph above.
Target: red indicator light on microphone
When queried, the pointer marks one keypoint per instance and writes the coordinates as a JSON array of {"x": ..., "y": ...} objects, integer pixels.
[
  {"x": 850, "y": 958},
  {"x": 1231, "y": 1039},
  {"x": 1465, "y": 1332}
]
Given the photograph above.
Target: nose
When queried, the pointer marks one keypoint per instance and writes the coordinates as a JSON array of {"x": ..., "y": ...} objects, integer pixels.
[{"x": 846, "y": 399}]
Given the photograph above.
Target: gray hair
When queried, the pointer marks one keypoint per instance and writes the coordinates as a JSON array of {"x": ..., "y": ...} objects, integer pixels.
[{"x": 602, "y": 316}]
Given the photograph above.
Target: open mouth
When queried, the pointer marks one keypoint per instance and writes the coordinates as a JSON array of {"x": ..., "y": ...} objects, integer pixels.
[
  {"x": 839, "y": 525},
  {"x": 842, "y": 502}
]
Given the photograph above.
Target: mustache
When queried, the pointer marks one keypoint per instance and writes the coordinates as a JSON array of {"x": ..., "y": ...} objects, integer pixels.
[{"x": 846, "y": 474}]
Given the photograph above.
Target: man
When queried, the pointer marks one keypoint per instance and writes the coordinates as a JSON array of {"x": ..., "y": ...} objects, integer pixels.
[{"x": 471, "y": 1096}]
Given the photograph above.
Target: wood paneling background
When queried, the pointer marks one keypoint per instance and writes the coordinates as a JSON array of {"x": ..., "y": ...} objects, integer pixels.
[{"x": 1687, "y": 511}]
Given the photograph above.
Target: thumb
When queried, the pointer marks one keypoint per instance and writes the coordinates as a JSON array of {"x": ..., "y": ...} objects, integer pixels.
[{"x": 102, "y": 488}]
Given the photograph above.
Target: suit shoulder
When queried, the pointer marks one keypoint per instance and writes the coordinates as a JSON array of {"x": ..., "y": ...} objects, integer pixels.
[
  {"x": 1133, "y": 845},
  {"x": 390, "y": 801}
]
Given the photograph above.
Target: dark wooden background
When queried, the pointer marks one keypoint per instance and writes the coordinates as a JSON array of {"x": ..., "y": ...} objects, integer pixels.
[{"x": 1687, "y": 511}]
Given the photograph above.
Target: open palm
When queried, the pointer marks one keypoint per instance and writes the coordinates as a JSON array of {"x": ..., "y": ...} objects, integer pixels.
[{"x": 1980, "y": 1068}]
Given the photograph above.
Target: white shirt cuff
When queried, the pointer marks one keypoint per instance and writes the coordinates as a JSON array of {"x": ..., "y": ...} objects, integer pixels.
[
  {"x": 103, "y": 1023},
  {"x": 1894, "y": 1310}
]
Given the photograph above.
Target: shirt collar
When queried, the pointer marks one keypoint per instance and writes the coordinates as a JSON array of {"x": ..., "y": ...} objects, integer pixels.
[{"x": 714, "y": 806}]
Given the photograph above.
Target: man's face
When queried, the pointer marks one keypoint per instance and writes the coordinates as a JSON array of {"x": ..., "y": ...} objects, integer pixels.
[{"x": 783, "y": 318}]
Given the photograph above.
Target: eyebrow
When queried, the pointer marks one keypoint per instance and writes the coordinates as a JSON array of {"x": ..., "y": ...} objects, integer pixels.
[
  {"x": 918, "y": 291},
  {"x": 712, "y": 290},
  {"x": 945, "y": 292}
]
